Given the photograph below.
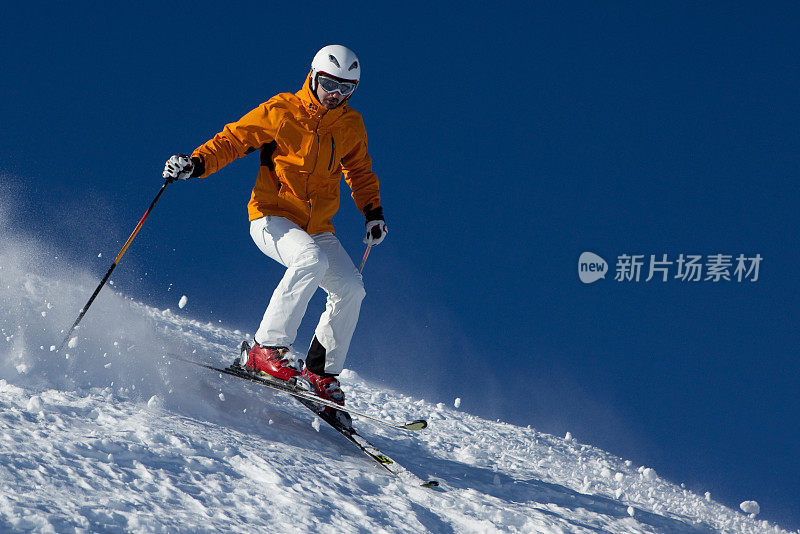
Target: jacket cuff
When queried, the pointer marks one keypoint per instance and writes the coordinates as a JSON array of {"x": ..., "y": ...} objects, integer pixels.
[
  {"x": 373, "y": 214},
  {"x": 199, "y": 166}
]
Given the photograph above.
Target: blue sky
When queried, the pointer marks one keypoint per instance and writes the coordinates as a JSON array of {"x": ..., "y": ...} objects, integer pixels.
[{"x": 509, "y": 139}]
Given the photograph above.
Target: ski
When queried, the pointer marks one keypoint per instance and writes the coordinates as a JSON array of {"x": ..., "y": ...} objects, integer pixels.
[
  {"x": 368, "y": 448},
  {"x": 299, "y": 393},
  {"x": 314, "y": 403}
]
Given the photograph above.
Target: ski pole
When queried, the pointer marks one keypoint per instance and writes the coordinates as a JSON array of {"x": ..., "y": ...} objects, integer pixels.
[
  {"x": 113, "y": 265},
  {"x": 364, "y": 259}
]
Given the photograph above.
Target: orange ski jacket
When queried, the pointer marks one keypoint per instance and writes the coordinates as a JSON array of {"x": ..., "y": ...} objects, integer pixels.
[{"x": 304, "y": 149}]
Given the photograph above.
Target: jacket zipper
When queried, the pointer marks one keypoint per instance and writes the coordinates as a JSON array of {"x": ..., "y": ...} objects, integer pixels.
[{"x": 333, "y": 151}]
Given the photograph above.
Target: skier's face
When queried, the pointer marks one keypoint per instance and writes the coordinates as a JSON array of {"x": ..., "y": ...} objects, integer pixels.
[{"x": 329, "y": 100}]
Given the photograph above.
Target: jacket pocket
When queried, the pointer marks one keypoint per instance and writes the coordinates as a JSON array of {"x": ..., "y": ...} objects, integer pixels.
[
  {"x": 295, "y": 138},
  {"x": 265, "y": 192}
]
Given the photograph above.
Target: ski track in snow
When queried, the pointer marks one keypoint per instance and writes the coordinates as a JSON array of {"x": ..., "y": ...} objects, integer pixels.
[{"x": 112, "y": 435}]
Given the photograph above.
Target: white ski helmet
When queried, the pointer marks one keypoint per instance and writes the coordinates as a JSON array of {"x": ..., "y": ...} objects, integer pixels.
[{"x": 337, "y": 61}]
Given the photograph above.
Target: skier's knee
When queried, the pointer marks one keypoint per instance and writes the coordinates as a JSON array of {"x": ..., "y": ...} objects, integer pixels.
[
  {"x": 311, "y": 258},
  {"x": 354, "y": 287}
]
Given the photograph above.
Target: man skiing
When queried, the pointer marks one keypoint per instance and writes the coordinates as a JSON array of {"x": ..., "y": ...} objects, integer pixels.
[{"x": 306, "y": 140}]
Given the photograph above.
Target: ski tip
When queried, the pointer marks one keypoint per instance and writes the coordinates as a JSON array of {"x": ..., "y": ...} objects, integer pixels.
[{"x": 419, "y": 424}]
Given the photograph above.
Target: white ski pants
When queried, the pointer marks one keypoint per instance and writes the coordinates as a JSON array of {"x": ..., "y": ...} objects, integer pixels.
[{"x": 311, "y": 261}]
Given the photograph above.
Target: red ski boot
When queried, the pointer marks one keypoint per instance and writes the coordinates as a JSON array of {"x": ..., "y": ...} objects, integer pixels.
[
  {"x": 274, "y": 361},
  {"x": 326, "y": 387}
]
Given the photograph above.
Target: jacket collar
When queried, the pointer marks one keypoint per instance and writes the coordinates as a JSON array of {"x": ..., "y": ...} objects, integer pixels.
[{"x": 310, "y": 102}]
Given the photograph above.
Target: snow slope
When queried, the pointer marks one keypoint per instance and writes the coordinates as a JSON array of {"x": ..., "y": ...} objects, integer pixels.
[{"x": 114, "y": 435}]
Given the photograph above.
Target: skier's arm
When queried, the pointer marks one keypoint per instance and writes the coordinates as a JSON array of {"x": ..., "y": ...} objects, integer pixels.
[
  {"x": 357, "y": 166},
  {"x": 237, "y": 139}
]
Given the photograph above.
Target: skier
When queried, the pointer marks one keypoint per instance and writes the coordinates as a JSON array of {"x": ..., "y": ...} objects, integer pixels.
[{"x": 306, "y": 141}]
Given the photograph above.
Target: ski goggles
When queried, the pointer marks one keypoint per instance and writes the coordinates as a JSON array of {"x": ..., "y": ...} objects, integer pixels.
[{"x": 329, "y": 85}]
